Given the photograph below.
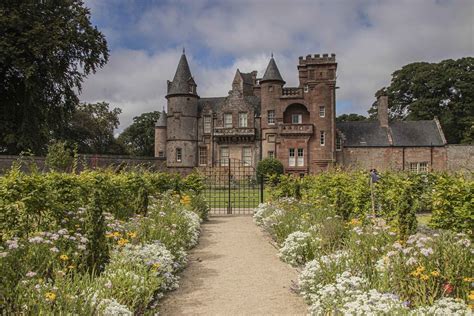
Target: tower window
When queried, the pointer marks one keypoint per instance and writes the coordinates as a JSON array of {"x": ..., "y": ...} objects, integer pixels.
[
  {"x": 247, "y": 156},
  {"x": 202, "y": 156},
  {"x": 191, "y": 89},
  {"x": 306, "y": 88},
  {"x": 161, "y": 154},
  {"x": 322, "y": 111},
  {"x": 228, "y": 120},
  {"x": 271, "y": 154},
  {"x": 322, "y": 138},
  {"x": 179, "y": 155},
  {"x": 271, "y": 117},
  {"x": 243, "y": 119},
  {"x": 207, "y": 124},
  {"x": 296, "y": 118}
]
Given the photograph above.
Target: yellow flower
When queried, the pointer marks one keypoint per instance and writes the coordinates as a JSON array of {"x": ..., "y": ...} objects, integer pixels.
[
  {"x": 64, "y": 257},
  {"x": 116, "y": 234},
  {"x": 435, "y": 273},
  {"x": 185, "y": 200},
  {"x": 156, "y": 266},
  {"x": 471, "y": 296},
  {"x": 109, "y": 235},
  {"x": 122, "y": 242},
  {"x": 354, "y": 222},
  {"x": 424, "y": 277},
  {"x": 415, "y": 273},
  {"x": 50, "y": 296},
  {"x": 466, "y": 279},
  {"x": 420, "y": 269},
  {"x": 132, "y": 234}
]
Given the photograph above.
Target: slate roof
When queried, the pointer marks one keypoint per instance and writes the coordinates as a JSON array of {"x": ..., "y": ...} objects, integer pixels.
[
  {"x": 398, "y": 134},
  {"x": 247, "y": 77},
  {"x": 182, "y": 78},
  {"x": 161, "y": 122},
  {"x": 272, "y": 73}
]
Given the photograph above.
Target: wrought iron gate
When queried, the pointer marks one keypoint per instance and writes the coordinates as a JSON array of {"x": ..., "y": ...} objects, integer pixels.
[{"x": 232, "y": 187}]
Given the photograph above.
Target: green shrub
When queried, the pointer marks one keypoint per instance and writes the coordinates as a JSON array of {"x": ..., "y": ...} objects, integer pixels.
[
  {"x": 59, "y": 157},
  {"x": 453, "y": 200},
  {"x": 269, "y": 168}
]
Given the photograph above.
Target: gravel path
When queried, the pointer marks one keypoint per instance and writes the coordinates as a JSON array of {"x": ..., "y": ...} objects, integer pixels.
[{"x": 234, "y": 271}]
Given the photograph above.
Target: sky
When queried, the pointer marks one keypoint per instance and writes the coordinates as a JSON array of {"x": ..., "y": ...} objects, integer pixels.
[{"x": 371, "y": 40}]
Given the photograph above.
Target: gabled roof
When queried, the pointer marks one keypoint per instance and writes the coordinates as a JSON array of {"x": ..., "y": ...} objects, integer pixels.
[
  {"x": 398, "y": 134},
  {"x": 182, "y": 78},
  {"x": 272, "y": 73}
]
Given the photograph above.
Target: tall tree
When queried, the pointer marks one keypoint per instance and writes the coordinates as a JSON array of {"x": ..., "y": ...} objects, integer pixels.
[
  {"x": 47, "y": 48},
  {"x": 92, "y": 129},
  {"x": 350, "y": 117},
  {"x": 421, "y": 91},
  {"x": 139, "y": 137}
]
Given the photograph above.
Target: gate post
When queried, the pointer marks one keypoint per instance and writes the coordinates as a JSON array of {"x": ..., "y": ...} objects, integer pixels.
[
  {"x": 261, "y": 188},
  {"x": 229, "y": 207}
]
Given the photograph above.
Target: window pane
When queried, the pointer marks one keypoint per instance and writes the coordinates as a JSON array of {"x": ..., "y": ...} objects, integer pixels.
[
  {"x": 228, "y": 120},
  {"x": 322, "y": 138},
  {"x": 300, "y": 161},
  {"x": 322, "y": 111},
  {"x": 271, "y": 154},
  {"x": 242, "y": 119},
  {"x": 296, "y": 118},
  {"x": 423, "y": 167},
  {"x": 224, "y": 156},
  {"x": 271, "y": 117},
  {"x": 179, "y": 154},
  {"x": 203, "y": 156},
  {"x": 338, "y": 143},
  {"x": 247, "y": 156},
  {"x": 207, "y": 124},
  {"x": 291, "y": 160}
]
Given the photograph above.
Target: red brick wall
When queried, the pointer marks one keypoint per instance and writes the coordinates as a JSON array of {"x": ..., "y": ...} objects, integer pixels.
[{"x": 392, "y": 158}]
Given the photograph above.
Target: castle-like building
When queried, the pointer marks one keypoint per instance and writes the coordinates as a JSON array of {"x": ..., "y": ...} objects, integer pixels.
[{"x": 262, "y": 118}]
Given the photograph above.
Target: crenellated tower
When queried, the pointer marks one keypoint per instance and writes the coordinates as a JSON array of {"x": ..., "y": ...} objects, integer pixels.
[
  {"x": 182, "y": 130},
  {"x": 317, "y": 77}
]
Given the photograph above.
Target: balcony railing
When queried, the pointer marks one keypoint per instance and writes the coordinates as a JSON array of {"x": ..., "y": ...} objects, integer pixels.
[
  {"x": 295, "y": 129},
  {"x": 292, "y": 92},
  {"x": 234, "y": 134},
  {"x": 234, "y": 131}
]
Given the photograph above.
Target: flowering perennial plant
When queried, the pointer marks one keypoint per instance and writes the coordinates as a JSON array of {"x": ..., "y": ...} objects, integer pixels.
[{"x": 45, "y": 272}]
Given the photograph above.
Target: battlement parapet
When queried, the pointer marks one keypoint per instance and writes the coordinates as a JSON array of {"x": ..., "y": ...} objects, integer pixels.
[{"x": 317, "y": 59}]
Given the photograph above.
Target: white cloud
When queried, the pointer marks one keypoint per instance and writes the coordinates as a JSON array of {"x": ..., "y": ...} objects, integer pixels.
[{"x": 371, "y": 39}]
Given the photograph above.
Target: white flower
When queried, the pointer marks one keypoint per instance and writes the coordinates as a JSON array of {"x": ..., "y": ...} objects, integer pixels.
[
  {"x": 31, "y": 274},
  {"x": 36, "y": 240},
  {"x": 295, "y": 248},
  {"x": 411, "y": 261},
  {"x": 426, "y": 251},
  {"x": 54, "y": 249},
  {"x": 110, "y": 307}
]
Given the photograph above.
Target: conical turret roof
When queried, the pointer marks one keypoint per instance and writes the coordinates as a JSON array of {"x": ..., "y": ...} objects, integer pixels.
[
  {"x": 161, "y": 122},
  {"x": 272, "y": 73},
  {"x": 182, "y": 79}
]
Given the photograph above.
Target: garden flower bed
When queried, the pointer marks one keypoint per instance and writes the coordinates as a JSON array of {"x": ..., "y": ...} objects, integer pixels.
[
  {"x": 361, "y": 266},
  {"x": 90, "y": 261}
]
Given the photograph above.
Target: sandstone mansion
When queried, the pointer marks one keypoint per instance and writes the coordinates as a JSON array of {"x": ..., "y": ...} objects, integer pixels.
[{"x": 261, "y": 117}]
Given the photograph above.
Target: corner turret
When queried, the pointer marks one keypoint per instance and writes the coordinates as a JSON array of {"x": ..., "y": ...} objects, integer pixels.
[{"x": 183, "y": 82}]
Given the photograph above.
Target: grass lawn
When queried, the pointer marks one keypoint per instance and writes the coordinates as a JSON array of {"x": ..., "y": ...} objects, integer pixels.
[
  {"x": 423, "y": 218},
  {"x": 243, "y": 198}
]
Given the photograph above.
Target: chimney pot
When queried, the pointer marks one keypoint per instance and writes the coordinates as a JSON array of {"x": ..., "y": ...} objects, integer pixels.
[{"x": 382, "y": 110}]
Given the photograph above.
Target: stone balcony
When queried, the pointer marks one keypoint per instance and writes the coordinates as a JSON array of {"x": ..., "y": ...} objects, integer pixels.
[
  {"x": 234, "y": 134},
  {"x": 296, "y": 129},
  {"x": 292, "y": 93}
]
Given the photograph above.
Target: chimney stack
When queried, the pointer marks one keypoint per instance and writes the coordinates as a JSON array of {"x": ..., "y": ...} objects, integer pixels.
[{"x": 382, "y": 110}]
